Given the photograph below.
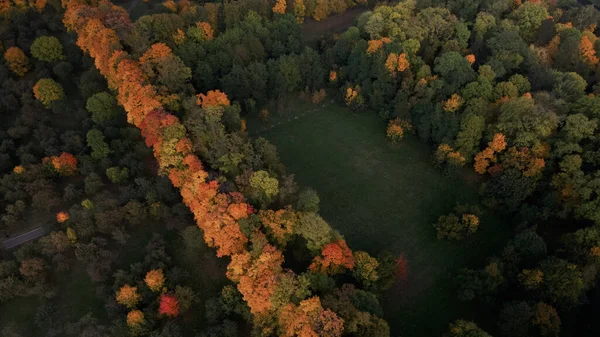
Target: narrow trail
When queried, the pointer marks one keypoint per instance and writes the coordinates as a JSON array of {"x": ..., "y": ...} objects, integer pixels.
[{"x": 289, "y": 120}]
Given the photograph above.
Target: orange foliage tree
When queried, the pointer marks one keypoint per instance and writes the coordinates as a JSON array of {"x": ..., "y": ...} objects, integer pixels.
[
  {"x": 155, "y": 279},
  {"x": 280, "y": 7},
  {"x": 62, "y": 217},
  {"x": 128, "y": 296},
  {"x": 470, "y": 58},
  {"x": 135, "y": 318},
  {"x": 335, "y": 258},
  {"x": 212, "y": 98},
  {"x": 453, "y": 103},
  {"x": 16, "y": 60},
  {"x": 65, "y": 164},
  {"x": 588, "y": 53}
]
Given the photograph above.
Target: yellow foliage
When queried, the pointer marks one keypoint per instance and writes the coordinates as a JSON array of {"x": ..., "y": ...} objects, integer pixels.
[
  {"x": 179, "y": 37},
  {"x": 155, "y": 279},
  {"x": 453, "y": 103},
  {"x": 135, "y": 318},
  {"x": 170, "y": 5},
  {"x": 333, "y": 76}
]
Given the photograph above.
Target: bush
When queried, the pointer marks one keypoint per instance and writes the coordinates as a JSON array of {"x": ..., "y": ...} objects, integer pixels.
[{"x": 454, "y": 228}]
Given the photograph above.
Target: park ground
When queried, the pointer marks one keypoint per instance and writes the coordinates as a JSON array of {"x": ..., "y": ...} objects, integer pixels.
[{"x": 386, "y": 197}]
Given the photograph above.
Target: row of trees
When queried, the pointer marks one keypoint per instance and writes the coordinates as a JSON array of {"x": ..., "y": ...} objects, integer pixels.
[{"x": 280, "y": 300}]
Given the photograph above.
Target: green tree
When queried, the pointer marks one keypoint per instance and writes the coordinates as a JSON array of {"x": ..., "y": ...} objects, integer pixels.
[
  {"x": 563, "y": 283},
  {"x": 454, "y": 69},
  {"x": 95, "y": 140},
  {"x": 265, "y": 187},
  {"x": 308, "y": 201},
  {"x": 515, "y": 319},
  {"x": 102, "y": 106},
  {"x": 569, "y": 86},
  {"x": 117, "y": 174},
  {"x": 469, "y": 137},
  {"x": 47, "y": 48},
  {"x": 529, "y": 17}
]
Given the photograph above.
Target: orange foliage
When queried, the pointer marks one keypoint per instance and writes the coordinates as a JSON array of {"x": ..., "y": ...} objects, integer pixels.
[
  {"x": 524, "y": 160},
  {"x": 586, "y": 48},
  {"x": 453, "y": 103},
  {"x": 179, "y": 37},
  {"x": 212, "y": 98},
  {"x": 170, "y": 5},
  {"x": 135, "y": 318},
  {"x": 206, "y": 29},
  {"x": 350, "y": 95},
  {"x": 333, "y": 76},
  {"x": 335, "y": 257},
  {"x": 309, "y": 319},
  {"x": 279, "y": 224},
  {"x": 128, "y": 296},
  {"x": 169, "y": 306},
  {"x": 528, "y": 95},
  {"x": 18, "y": 169},
  {"x": 16, "y": 60},
  {"x": 62, "y": 217},
  {"x": 65, "y": 164},
  {"x": 470, "y": 58},
  {"x": 155, "y": 279},
  {"x": 483, "y": 159},
  {"x": 403, "y": 62},
  {"x": 374, "y": 45},
  {"x": 280, "y": 7},
  {"x": 498, "y": 143},
  {"x": 259, "y": 281}
]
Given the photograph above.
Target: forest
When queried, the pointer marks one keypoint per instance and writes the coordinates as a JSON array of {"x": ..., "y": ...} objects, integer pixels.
[{"x": 299, "y": 168}]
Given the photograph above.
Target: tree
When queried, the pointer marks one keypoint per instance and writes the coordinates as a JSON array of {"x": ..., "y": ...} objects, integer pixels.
[
  {"x": 265, "y": 187},
  {"x": 563, "y": 283},
  {"x": 569, "y": 86},
  {"x": 365, "y": 268},
  {"x": 135, "y": 318},
  {"x": 299, "y": 11},
  {"x": 454, "y": 69},
  {"x": 17, "y": 62},
  {"x": 169, "y": 306},
  {"x": 64, "y": 165},
  {"x": 95, "y": 140},
  {"x": 461, "y": 328},
  {"x": 280, "y": 7},
  {"x": 455, "y": 228},
  {"x": 128, "y": 296},
  {"x": 102, "y": 106},
  {"x": 529, "y": 17},
  {"x": 335, "y": 258},
  {"x": 308, "y": 201},
  {"x": 515, "y": 319},
  {"x": 117, "y": 175},
  {"x": 47, "y": 48},
  {"x": 62, "y": 217},
  {"x": 155, "y": 280},
  {"x": 46, "y": 90},
  {"x": 547, "y": 319}
]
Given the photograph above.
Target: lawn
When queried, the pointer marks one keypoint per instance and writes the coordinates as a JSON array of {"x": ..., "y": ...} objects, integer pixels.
[{"x": 385, "y": 197}]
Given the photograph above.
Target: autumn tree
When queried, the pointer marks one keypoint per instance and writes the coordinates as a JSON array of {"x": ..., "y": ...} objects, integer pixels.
[
  {"x": 397, "y": 128},
  {"x": 128, "y": 296},
  {"x": 299, "y": 11},
  {"x": 62, "y": 217},
  {"x": 135, "y": 318},
  {"x": 17, "y": 62},
  {"x": 335, "y": 258},
  {"x": 47, "y": 48},
  {"x": 155, "y": 279},
  {"x": 280, "y": 7},
  {"x": 461, "y": 328},
  {"x": 365, "y": 268},
  {"x": 46, "y": 90},
  {"x": 64, "y": 165},
  {"x": 546, "y": 319}
]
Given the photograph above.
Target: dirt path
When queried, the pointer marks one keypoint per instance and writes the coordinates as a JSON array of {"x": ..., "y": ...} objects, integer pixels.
[{"x": 313, "y": 29}]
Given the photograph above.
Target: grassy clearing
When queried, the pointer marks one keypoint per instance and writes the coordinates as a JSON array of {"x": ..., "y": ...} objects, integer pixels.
[{"x": 382, "y": 196}]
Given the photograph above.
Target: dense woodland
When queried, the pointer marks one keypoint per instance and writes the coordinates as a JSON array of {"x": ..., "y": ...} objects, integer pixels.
[{"x": 114, "y": 124}]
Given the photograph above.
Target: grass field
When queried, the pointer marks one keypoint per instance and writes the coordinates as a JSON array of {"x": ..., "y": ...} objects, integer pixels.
[{"x": 382, "y": 196}]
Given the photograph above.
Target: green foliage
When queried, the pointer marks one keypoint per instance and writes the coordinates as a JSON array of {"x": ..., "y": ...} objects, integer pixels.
[
  {"x": 454, "y": 69},
  {"x": 365, "y": 268},
  {"x": 265, "y": 188},
  {"x": 117, "y": 174},
  {"x": 454, "y": 228},
  {"x": 312, "y": 227},
  {"x": 47, "y": 48},
  {"x": 529, "y": 17},
  {"x": 95, "y": 140},
  {"x": 102, "y": 106},
  {"x": 308, "y": 201},
  {"x": 563, "y": 283}
]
